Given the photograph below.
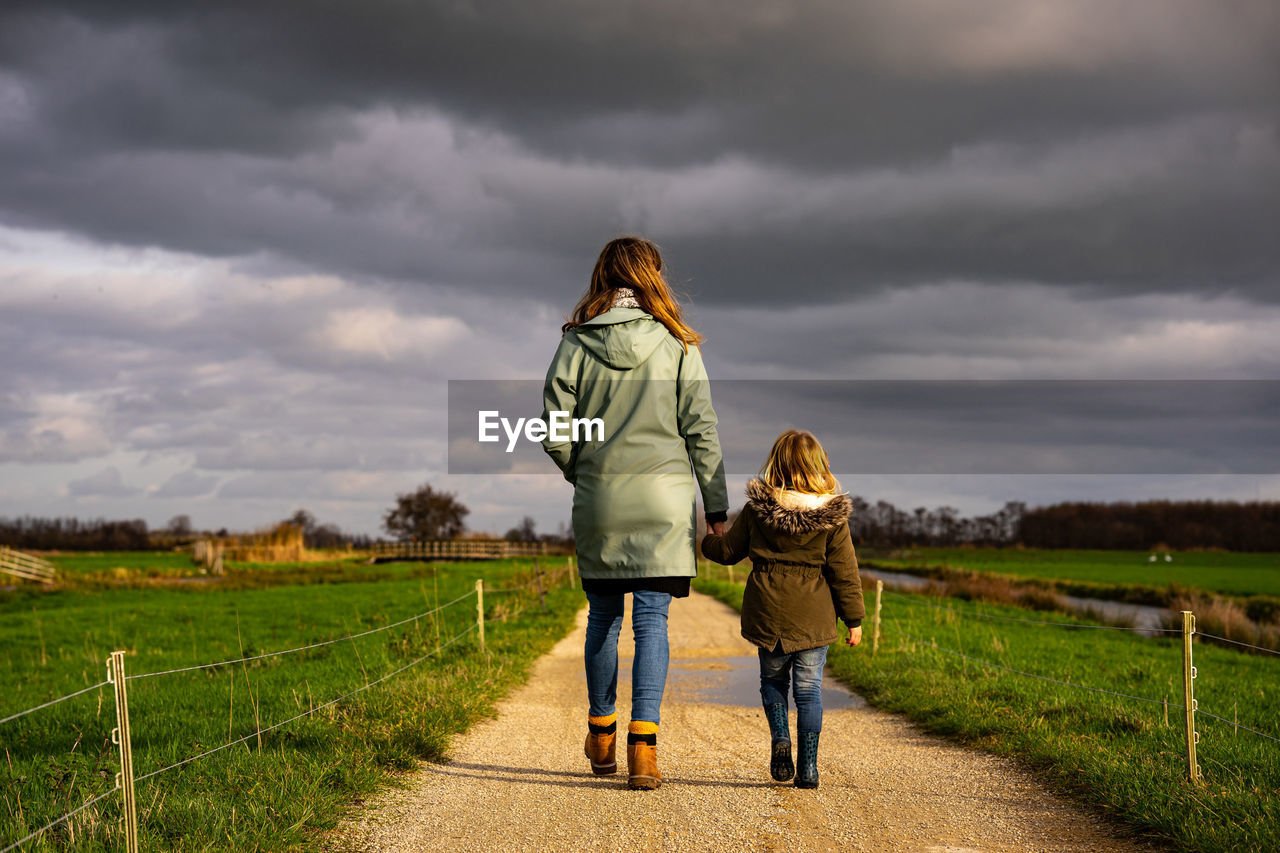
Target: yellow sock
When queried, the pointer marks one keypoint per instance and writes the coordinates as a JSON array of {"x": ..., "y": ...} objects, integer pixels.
[
  {"x": 642, "y": 727},
  {"x": 602, "y": 721}
]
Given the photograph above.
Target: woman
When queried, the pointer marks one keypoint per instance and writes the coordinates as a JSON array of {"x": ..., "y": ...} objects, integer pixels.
[{"x": 628, "y": 358}]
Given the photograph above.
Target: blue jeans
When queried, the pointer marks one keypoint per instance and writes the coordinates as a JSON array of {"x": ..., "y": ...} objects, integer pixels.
[
  {"x": 804, "y": 670},
  {"x": 648, "y": 670}
]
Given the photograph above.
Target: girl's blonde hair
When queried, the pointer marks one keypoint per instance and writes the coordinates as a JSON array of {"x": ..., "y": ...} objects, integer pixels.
[
  {"x": 636, "y": 263},
  {"x": 799, "y": 462}
]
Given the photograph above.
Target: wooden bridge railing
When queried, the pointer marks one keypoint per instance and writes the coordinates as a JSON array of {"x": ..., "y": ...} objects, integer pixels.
[{"x": 461, "y": 549}]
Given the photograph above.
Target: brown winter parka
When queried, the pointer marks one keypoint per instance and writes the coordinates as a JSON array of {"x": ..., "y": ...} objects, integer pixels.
[{"x": 804, "y": 572}]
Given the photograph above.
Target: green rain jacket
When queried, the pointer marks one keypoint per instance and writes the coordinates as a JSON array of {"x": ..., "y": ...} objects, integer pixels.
[{"x": 635, "y": 489}]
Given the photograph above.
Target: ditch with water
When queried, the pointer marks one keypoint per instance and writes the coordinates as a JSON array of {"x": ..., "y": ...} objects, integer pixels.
[{"x": 1145, "y": 618}]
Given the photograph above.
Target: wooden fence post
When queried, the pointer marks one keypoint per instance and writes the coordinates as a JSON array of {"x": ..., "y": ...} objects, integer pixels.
[
  {"x": 875, "y": 625},
  {"x": 1188, "y": 692},
  {"x": 480, "y": 610},
  {"x": 542, "y": 593},
  {"x": 124, "y": 739}
]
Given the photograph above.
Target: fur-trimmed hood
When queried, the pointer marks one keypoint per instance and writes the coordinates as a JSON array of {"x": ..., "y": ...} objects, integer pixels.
[{"x": 795, "y": 512}]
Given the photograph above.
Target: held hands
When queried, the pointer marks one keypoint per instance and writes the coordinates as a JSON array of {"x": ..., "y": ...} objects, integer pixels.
[
  {"x": 855, "y": 636},
  {"x": 718, "y": 528}
]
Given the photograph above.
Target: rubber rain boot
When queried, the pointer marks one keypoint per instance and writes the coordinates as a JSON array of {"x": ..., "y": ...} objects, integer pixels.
[
  {"x": 807, "y": 761},
  {"x": 780, "y": 766}
]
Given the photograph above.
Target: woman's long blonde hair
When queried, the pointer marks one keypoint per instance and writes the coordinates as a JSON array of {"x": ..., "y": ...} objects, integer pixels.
[
  {"x": 799, "y": 462},
  {"x": 636, "y": 263}
]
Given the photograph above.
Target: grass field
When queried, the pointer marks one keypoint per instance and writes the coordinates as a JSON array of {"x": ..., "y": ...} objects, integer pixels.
[
  {"x": 112, "y": 568},
  {"x": 1229, "y": 573},
  {"x": 1114, "y": 752},
  {"x": 122, "y": 564},
  {"x": 282, "y": 790}
]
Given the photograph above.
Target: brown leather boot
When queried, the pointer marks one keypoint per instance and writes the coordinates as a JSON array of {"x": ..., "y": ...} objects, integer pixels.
[
  {"x": 642, "y": 766},
  {"x": 602, "y": 750}
]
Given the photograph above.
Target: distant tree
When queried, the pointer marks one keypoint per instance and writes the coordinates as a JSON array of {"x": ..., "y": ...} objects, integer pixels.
[
  {"x": 562, "y": 537},
  {"x": 426, "y": 514},
  {"x": 525, "y": 531},
  {"x": 315, "y": 534},
  {"x": 326, "y": 536},
  {"x": 303, "y": 520},
  {"x": 179, "y": 525}
]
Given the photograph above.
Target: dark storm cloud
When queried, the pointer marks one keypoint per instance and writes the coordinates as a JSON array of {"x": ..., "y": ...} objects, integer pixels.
[
  {"x": 794, "y": 149},
  {"x": 938, "y": 427}
]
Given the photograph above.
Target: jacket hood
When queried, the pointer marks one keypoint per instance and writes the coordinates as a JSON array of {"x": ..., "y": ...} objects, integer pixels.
[
  {"x": 622, "y": 338},
  {"x": 796, "y": 512}
]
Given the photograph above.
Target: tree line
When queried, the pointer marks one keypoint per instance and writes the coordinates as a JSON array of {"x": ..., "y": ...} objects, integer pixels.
[
  {"x": 1229, "y": 525},
  {"x": 884, "y": 525},
  {"x": 430, "y": 514},
  {"x": 1119, "y": 525},
  {"x": 73, "y": 534},
  {"x": 100, "y": 534}
]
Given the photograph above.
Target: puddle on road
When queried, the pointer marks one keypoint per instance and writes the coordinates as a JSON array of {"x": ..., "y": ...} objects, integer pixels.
[{"x": 736, "y": 681}]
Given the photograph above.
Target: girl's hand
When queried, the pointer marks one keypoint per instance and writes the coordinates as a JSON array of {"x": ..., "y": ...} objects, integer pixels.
[
  {"x": 855, "y": 636},
  {"x": 718, "y": 528}
]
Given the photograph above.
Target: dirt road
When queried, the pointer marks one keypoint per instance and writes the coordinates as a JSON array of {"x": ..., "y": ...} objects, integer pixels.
[{"x": 520, "y": 782}]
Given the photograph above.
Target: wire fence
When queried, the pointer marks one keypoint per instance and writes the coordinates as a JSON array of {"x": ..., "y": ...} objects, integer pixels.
[
  {"x": 537, "y": 587},
  {"x": 1190, "y": 705},
  {"x": 53, "y": 702},
  {"x": 59, "y": 820},
  {"x": 309, "y": 712},
  {"x": 1236, "y": 724},
  {"x": 1238, "y": 643},
  {"x": 348, "y": 638}
]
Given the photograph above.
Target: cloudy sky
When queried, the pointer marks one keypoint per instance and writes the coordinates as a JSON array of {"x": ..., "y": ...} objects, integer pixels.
[{"x": 243, "y": 246}]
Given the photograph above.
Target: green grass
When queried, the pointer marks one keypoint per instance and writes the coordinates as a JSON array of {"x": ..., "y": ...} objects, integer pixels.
[
  {"x": 1229, "y": 573},
  {"x": 284, "y": 792},
  {"x": 1113, "y": 752},
  {"x": 142, "y": 568},
  {"x": 125, "y": 564}
]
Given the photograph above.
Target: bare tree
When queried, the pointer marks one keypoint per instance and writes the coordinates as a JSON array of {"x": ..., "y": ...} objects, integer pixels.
[
  {"x": 303, "y": 520},
  {"x": 426, "y": 514},
  {"x": 525, "y": 531},
  {"x": 179, "y": 525}
]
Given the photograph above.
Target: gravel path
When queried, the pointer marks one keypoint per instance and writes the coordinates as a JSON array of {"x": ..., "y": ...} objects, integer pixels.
[{"x": 520, "y": 782}]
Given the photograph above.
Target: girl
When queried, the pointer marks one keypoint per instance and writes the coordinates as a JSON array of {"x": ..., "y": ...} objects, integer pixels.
[
  {"x": 628, "y": 358},
  {"x": 804, "y": 573}
]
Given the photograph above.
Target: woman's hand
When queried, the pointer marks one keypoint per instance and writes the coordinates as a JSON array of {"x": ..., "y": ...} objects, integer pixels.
[
  {"x": 718, "y": 528},
  {"x": 855, "y": 636}
]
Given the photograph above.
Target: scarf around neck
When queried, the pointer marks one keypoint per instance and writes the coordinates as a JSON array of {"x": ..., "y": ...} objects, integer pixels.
[{"x": 625, "y": 297}]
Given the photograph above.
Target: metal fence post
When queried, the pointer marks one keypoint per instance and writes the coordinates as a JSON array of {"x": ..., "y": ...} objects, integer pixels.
[
  {"x": 875, "y": 625},
  {"x": 123, "y": 738},
  {"x": 1188, "y": 692},
  {"x": 480, "y": 610}
]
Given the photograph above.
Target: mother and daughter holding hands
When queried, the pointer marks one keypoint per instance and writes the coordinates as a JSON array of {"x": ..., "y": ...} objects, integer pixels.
[{"x": 628, "y": 358}]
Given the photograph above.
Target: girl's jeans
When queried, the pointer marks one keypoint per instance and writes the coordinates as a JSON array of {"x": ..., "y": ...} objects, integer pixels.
[
  {"x": 648, "y": 670},
  {"x": 804, "y": 669}
]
